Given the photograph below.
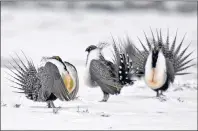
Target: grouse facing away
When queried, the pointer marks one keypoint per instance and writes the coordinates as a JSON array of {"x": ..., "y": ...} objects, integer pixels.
[
  {"x": 55, "y": 79},
  {"x": 160, "y": 63},
  {"x": 110, "y": 76}
]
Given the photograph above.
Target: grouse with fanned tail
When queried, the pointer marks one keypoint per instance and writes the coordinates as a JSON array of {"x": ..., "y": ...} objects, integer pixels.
[
  {"x": 54, "y": 79},
  {"x": 110, "y": 76},
  {"x": 160, "y": 62}
]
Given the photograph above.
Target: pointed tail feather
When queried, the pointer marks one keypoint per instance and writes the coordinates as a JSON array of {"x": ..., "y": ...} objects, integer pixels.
[
  {"x": 18, "y": 79},
  {"x": 183, "y": 64},
  {"x": 158, "y": 38},
  {"x": 21, "y": 62},
  {"x": 183, "y": 59},
  {"x": 173, "y": 44},
  {"x": 178, "y": 48},
  {"x": 123, "y": 64},
  {"x": 148, "y": 43},
  {"x": 17, "y": 88},
  {"x": 181, "y": 69},
  {"x": 182, "y": 53},
  {"x": 124, "y": 71},
  {"x": 154, "y": 41},
  {"x": 25, "y": 77},
  {"x": 14, "y": 73},
  {"x": 137, "y": 59},
  {"x": 161, "y": 36},
  {"x": 141, "y": 54},
  {"x": 18, "y": 71},
  {"x": 167, "y": 39},
  {"x": 22, "y": 70},
  {"x": 145, "y": 49},
  {"x": 130, "y": 49},
  {"x": 186, "y": 73}
]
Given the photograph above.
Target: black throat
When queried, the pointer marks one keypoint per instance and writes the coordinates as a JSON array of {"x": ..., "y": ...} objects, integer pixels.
[
  {"x": 65, "y": 68},
  {"x": 154, "y": 58},
  {"x": 87, "y": 59}
]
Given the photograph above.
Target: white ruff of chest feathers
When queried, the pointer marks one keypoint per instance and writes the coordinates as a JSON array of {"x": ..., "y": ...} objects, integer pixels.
[
  {"x": 58, "y": 64},
  {"x": 93, "y": 55},
  {"x": 156, "y": 77},
  {"x": 62, "y": 71}
]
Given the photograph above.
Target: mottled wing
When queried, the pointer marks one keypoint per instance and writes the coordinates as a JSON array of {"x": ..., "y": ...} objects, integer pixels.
[
  {"x": 101, "y": 74},
  {"x": 46, "y": 81},
  {"x": 109, "y": 65},
  {"x": 54, "y": 83}
]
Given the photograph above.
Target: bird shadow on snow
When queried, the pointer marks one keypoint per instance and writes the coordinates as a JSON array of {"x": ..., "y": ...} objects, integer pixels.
[
  {"x": 41, "y": 107},
  {"x": 62, "y": 107},
  {"x": 141, "y": 97}
]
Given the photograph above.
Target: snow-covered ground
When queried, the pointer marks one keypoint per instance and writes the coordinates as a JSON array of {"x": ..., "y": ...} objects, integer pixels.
[
  {"x": 67, "y": 34},
  {"x": 135, "y": 108}
]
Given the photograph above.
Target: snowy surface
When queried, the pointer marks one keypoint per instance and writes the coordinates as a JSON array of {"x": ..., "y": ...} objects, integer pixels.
[
  {"x": 135, "y": 108},
  {"x": 67, "y": 34}
]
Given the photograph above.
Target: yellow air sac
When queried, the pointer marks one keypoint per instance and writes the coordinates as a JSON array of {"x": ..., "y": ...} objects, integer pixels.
[{"x": 69, "y": 83}]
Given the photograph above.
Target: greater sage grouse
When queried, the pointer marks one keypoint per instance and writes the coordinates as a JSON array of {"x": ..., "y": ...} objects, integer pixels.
[
  {"x": 160, "y": 62},
  {"x": 55, "y": 79},
  {"x": 110, "y": 76}
]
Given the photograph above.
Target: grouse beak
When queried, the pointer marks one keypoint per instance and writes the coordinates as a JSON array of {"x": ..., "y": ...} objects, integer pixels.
[{"x": 87, "y": 50}]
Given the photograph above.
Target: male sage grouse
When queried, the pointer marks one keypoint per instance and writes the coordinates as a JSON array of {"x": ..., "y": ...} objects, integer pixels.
[
  {"x": 110, "y": 76},
  {"x": 160, "y": 63},
  {"x": 54, "y": 79}
]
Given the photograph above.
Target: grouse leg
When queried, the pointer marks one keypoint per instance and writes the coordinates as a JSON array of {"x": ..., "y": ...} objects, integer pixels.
[
  {"x": 48, "y": 104},
  {"x": 160, "y": 96},
  {"x": 105, "y": 97},
  {"x": 161, "y": 93},
  {"x": 55, "y": 110},
  {"x": 157, "y": 95},
  {"x": 52, "y": 104}
]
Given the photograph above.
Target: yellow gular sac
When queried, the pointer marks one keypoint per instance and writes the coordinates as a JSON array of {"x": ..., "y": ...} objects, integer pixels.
[{"x": 69, "y": 83}]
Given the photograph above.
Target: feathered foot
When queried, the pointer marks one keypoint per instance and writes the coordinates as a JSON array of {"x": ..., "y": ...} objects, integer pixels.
[
  {"x": 55, "y": 110},
  {"x": 105, "y": 97},
  {"x": 160, "y": 96},
  {"x": 161, "y": 93},
  {"x": 51, "y": 105},
  {"x": 48, "y": 104},
  {"x": 162, "y": 99}
]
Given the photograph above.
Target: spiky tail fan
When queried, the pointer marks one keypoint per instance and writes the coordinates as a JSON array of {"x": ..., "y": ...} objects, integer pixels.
[
  {"x": 123, "y": 65},
  {"x": 137, "y": 57},
  {"x": 25, "y": 76},
  {"x": 179, "y": 60}
]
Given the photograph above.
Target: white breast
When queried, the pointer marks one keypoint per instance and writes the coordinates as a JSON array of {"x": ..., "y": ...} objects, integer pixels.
[
  {"x": 94, "y": 54},
  {"x": 62, "y": 71},
  {"x": 155, "y": 77},
  {"x": 58, "y": 64}
]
